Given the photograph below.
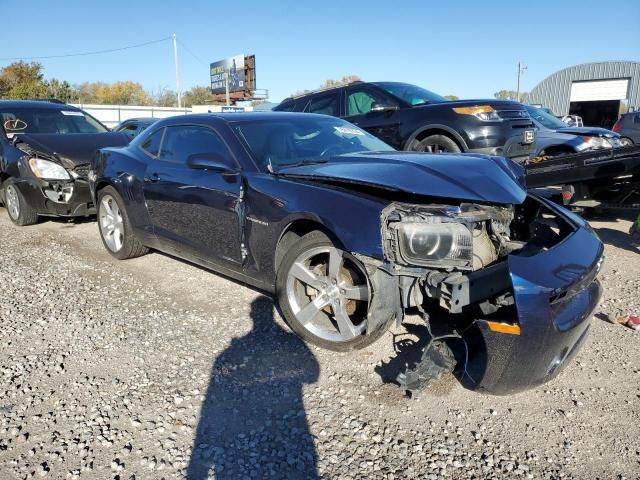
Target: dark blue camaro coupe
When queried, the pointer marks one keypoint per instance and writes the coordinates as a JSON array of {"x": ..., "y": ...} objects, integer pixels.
[{"x": 349, "y": 234}]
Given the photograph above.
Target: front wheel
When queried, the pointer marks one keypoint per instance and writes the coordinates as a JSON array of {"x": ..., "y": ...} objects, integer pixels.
[
  {"x": 115, "y": 228},
  {"x": 20, "y": 212},
  {"x": 435, "y": 144},
  {"x": 325, "y": 295}
]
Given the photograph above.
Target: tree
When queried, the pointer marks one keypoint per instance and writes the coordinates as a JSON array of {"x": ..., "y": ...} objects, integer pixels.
[
  {"x": 197, "y": 96},
  {"x": 164, "y": 97},
  {"x": 452, "y": 97},
  {"x": 511, "y": 95},
  {"x": 22, "y": 80},
  {"x": 60, "y": 90}
]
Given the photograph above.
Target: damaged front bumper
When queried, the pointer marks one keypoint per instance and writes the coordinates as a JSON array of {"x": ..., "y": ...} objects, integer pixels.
[
  {"x": 61, "y": 198},
  {"x": 524, "y": 317}
]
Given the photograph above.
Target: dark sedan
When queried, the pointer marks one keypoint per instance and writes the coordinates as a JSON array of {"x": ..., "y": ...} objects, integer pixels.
[
  {"x": 132, "y": 127},
  {"x": 45, "y": 150},
  {"x": 348, "y": 234}
]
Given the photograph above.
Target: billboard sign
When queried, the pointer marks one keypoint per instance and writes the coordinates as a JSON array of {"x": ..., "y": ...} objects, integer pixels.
[{"x": 234, "y": 67}]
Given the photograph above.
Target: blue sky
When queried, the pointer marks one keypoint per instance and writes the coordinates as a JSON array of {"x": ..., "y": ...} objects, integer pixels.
[{"x": 465, "y": 48}]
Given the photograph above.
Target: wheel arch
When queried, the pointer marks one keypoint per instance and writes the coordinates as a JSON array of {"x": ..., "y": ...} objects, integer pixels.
[
  {"x": 436, "y": 129},
  {"x": 297, "y": 228}
]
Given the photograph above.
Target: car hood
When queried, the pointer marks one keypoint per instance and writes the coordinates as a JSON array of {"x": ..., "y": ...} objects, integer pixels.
[
  {"x": 588, "y": 131},
  {"x": 478, "y": 178},
  {"x": 73, "y": 149}
]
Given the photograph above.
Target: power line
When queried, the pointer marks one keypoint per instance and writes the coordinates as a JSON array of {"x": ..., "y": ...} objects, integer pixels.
[
  {"x": 190, "y": 52},
  {"x": 96, "y": 52}
]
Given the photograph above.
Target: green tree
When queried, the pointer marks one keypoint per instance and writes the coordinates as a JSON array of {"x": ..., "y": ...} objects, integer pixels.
[
  {"x": 22, "y": 80},
  {"x": 511, "y": 95},
  {"x": 452, "y": 97},
  {"x": 60, "y": 90},
  {"x": 164, "y": 97},
  {"x": 197, "y": 96}
]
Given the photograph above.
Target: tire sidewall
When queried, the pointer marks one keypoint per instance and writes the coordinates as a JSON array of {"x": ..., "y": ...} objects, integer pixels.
[{"x": 26, "y": 215}]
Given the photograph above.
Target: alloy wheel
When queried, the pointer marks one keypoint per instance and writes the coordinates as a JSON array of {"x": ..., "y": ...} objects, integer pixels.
[
  {"x": 111, "y": 225},
  {"x": 328, "y": 292},
  {"x": 13, "y": 202}
]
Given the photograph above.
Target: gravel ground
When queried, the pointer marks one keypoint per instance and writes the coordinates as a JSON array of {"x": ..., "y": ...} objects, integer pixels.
[{"x": 154, "y": 368}]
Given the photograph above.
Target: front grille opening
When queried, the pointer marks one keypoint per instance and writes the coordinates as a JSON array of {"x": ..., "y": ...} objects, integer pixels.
[{"x": 538, "y": 227}]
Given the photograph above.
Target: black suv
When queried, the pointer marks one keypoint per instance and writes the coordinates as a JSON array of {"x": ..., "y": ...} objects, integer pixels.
[
  {"x": 628, "y": 126},
  {"x": 408, "y": 117}
]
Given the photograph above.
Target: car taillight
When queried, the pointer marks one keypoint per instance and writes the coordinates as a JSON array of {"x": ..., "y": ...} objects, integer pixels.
[{"x": 617, "y": 127}]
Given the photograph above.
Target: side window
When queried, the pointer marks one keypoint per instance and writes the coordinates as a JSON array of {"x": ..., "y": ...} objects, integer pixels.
[
  {"x": 325, "y": 104},
  {"x": 360, "y": 101},
  {"x": 130, "y": 130},
  {"x": 152, "y": 144},
  {"x": 287, "y": 108},
  {"x": 182, "y": 141},
  {"x": 636, "y": 119}
]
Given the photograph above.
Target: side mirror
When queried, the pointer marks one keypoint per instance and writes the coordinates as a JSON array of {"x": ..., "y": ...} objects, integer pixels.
[
  {"x": 383, "y": 107},
  {"x": 209, "y": 161}
]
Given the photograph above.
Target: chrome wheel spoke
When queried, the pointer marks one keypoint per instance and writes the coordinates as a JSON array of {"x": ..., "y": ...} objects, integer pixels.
[
  {"x": 311, "y": 309},
  {"x": 335, "y": 263},
  {"x": 306, "y": 276},
  {"x": 346, "y": 328},
  {"x": 358, "y": 292},
  {"x": 111, "y": 224}
]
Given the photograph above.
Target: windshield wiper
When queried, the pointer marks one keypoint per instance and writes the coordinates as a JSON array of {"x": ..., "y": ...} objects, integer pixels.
[{"x": 302, "y": 163}]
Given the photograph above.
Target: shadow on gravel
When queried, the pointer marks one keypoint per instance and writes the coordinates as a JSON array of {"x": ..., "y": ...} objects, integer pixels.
[
  {"x": 616, "y": 238},
  {"x": 253, "y": 423}
]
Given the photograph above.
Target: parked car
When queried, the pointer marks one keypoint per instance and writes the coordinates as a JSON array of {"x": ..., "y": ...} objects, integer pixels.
[
  {"x": 555, "y": 137},
  {"x": 628, "y": 126},
  {"x": 45, "y": 151},
  {"x": 408, "y": 117},
  {"x": 133, "y": 127},
  {"x": 348, "y": 234}
]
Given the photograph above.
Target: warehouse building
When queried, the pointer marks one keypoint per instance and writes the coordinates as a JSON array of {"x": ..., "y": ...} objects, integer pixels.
[{"x": 598, "y": 91}]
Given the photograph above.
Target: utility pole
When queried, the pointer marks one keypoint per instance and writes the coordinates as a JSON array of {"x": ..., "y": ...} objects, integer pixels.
[
  {"x": 521, "y": 69},
  {"x": 226, "y": 87},
  {"x": 175, "y": 59}
]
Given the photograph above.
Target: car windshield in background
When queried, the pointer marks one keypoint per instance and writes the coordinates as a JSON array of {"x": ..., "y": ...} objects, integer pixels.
[
  {"x": 411, "y": 94},
  {"x": 49, "y": 120},
  {"x": 545, "y": 119},
  {"x": 304, "y": 140}
]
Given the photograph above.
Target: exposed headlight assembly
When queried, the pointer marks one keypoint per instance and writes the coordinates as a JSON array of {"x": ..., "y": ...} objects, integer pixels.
[
  {"x": 47, "y": 170},
  {"x": 597, "y": 142},
  {"x": 486, "y": 113},
  {"x": 439, "y": 243}
]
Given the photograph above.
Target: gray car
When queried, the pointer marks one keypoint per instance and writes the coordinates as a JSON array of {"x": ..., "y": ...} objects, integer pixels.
[
  {"x": 628, "y": 126},
  {"x": 555, "y": 137}
]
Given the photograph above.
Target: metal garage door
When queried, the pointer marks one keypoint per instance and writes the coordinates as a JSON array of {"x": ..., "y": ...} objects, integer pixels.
[{"x": 599, "y": 90}]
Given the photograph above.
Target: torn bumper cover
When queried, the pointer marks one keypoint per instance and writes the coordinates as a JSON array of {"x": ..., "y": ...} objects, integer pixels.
[
  {"x": 555, "y": 293},
  {"x": 64, "y": 198}
]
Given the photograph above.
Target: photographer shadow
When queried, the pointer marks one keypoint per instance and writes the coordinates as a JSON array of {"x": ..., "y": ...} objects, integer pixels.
[{"x": 253, "y": 423}]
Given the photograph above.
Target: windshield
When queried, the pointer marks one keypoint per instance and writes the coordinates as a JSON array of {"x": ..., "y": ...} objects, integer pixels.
[
  {"x": 411, "y": 94},
  {"x": 48, "y": 120},
  {"x": 544, "y": 118},
  {"x": 304, "y": 139}
]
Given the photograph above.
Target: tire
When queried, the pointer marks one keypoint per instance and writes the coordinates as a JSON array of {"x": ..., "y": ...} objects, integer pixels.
[
  {"x": 626, "y": 142},
  {"x": 334, "y": 281},
  {"x": 114, "y": 226},
  {"x": 435, "y": 144},
  {"x": 20, "y": 212}
]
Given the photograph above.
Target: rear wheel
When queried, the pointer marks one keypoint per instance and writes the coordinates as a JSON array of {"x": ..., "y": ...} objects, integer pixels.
[
  {"x": 324, "y": 295},
  {"x": 20, "y": 212},
  {"x": 626, "y": 142},
  {"x": 435, "y": 144},
  {"x": 115, "y": 229}
]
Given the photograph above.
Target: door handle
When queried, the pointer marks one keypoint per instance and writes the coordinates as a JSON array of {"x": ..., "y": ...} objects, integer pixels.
[{"x": 153, "y": 178}]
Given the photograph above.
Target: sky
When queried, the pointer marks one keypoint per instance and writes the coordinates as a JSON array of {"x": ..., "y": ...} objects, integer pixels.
[{"x": 465, "y": 48}]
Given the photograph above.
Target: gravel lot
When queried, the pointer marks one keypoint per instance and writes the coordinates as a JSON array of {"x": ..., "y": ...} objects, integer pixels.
[{"x": 154, "y": 368}]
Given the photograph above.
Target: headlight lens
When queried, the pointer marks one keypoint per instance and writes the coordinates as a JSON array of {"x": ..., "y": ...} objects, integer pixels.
[
  {"x": 439, "y": 244},
  {"x": 597, "y": 142},
  {"x": 486, "y": 113},
  {"x": 47, "y": 170}
]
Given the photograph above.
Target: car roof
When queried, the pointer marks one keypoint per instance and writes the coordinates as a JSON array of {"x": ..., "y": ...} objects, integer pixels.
[
  {"x": 239, "y": 117},
  {"x": 141, "y": 119},
  {"x": 46, "y": 104}
]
